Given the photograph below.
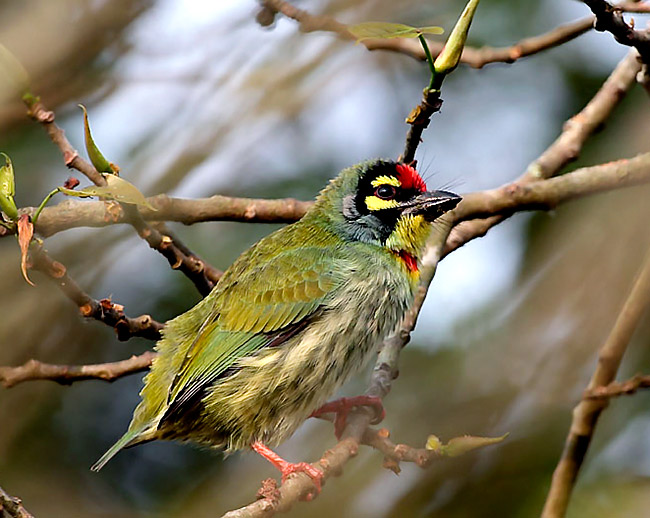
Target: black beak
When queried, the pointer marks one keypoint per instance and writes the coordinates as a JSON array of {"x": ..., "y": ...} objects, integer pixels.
[{"x": 432, "y": 204}]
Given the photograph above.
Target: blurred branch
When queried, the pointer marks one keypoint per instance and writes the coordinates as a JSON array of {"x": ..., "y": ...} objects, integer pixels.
[
  {"x": 621, "y": 388},
  {"x": 66, "y": 374},
  {"x": 575, "y": 132},
  {"x": 105, "y": 310},
  {"x": 587, "y": 412},
  {"x": 200, "y": 273},
  {"x": 474, "y": 57},
  {"x": 13, "y": 506},
  {"x": 610, "y": 19}
]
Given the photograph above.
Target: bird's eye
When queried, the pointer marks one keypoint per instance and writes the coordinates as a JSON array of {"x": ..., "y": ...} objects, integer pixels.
[{"x": 385, "y": 192}]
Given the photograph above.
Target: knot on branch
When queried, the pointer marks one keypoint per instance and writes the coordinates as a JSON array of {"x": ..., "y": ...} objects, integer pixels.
[{"x": 38, "y": 112}]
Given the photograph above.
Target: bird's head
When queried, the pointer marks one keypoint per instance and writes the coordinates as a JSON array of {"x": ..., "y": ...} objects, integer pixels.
[{"x": 386, "y": 203}]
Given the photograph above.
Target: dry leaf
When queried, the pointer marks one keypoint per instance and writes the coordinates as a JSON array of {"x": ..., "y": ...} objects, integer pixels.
[{"x": 25, "y": 234}]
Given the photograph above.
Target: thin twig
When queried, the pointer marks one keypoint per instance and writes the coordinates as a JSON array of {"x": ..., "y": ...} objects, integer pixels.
[
  {"x": 202, "y": 275},
  {"x": 587, "y": 412},
  {"x": 66, "y": 374},
  {"x": 418, "y": 121},
  {"x": 13, "y": 506},
  {"x": 104, "y": 310},
  {"x": 71, "y": 158},
  {"x": 619, "y": 388},
  {"x": 396, "y": 453}
]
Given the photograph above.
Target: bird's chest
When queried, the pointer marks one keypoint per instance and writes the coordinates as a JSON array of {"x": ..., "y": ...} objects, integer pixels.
[
  {"x": 368, "y": 305},
  {"x": 372, "y": 301}
]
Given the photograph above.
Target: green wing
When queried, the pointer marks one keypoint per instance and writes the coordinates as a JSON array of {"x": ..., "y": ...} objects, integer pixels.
[{"x": 254, "y": 308}]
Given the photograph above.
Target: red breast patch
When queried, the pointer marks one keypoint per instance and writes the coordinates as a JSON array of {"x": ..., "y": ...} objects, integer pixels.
[
  {"x": 409, "y": 178},
  {"x": 410, "y": 261}
]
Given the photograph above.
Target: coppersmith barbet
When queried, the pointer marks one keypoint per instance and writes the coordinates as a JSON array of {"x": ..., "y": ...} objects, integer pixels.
[{"x": 292, "y": 318}]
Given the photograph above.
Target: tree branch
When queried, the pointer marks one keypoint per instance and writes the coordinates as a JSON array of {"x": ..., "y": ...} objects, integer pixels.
[
  {"x": 622, "y": 388},
  {"x": 66, "y": 374},
  {"x": 72, "y": 214},
  {"x": 547, "y": 194},
  {"x": 587, "y": 412},
  {"x": 13, "y": 506},
  {"x": 610, "y": 19},
  {"x": 104, "y": 310}
]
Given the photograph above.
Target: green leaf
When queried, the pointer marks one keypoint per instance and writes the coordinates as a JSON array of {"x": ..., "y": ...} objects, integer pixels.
[
  {"x": 448, "y": 59},
  {"x": 8, "y": 189},
  {"x": 386, "y": 30},
  {"x": 460, "y": 445},
  {"x": 95, "y": 155},
  {"x": 116, "y": 188}
]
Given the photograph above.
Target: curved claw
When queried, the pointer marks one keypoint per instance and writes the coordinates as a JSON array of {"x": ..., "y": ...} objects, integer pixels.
[
  {"x": 287, "y": 468},
  {"x": 315, "y": 474},
  {"x": 341, "y": 407}
]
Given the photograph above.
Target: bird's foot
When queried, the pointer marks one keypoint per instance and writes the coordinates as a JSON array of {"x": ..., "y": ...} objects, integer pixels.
[
  {"x": 341, "y": 407},
  {"x": 287, "y": 468}
]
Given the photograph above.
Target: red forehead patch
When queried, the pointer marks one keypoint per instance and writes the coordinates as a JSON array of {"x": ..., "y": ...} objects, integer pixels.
[{"x": 409, "y": 178}]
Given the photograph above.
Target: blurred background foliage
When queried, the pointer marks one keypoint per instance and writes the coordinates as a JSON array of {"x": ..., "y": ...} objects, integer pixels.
[{"x": 195, "y": 98}]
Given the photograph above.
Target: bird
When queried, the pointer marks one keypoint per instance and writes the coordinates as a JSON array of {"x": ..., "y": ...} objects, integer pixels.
[{"x": 291, "y": 319}]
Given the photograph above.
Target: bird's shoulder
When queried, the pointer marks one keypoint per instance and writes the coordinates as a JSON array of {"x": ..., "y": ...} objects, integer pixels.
[{"x": 279, "y": 280}]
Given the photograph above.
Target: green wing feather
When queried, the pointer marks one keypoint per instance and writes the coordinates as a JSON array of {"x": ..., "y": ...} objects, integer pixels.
[
  {"x": 278, "y": 282},
  {"x": 263, "y": 301}
]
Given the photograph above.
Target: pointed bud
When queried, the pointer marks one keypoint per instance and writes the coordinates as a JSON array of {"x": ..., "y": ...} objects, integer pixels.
[
  {"x": 449, "y": 58},
  {"x": 7, "y": 189},
  {"x": 95, "y": 155}
]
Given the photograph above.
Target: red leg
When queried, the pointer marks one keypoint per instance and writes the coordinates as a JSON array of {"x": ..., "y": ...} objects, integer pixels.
[
  {"x": 341, "y": 407},
  {"x": 287, "y": 468}
]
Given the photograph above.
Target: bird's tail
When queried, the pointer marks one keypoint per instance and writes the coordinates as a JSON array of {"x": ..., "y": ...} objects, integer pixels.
[{"x": 130, "y": 438}]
